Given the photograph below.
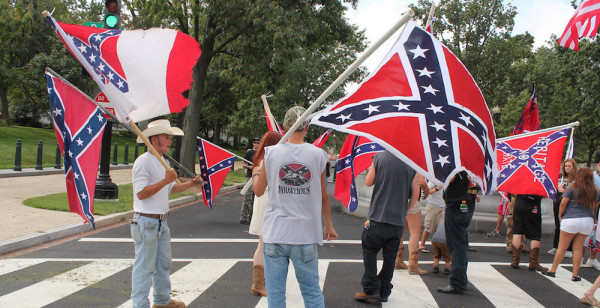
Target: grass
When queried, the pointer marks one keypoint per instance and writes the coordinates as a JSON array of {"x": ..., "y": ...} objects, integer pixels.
[
  {"x": 58, "y": 202},
  {"x": 30, "y": 137}
]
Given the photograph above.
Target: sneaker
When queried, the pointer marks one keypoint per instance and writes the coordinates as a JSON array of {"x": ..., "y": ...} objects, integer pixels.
[
  {"x": 586, "y": 264},
  {"x": 435, "y": 269},
  {"x": 494, "y": 233},
  {"x": 552, "y": 251},
  {"x": 595, "y": 264},
  {"x": 446, "y": 271},
  {"x": 568, "y": 254}
]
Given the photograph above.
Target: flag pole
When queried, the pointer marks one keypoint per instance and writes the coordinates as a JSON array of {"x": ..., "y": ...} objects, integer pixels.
[
  {"x": 571, "y": 147},
  {"x": 136, "y": 131},
  {"x": 403, "y": 20},
  {"x": 573, "y": 124},
  {"x": 430, "y": 17},
  {"x": 268, "y": 110},
  {"x": 226, "y": 150}
]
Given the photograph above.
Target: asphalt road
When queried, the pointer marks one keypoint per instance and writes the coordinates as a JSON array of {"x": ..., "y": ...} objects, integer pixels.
[{"x": 212, "y": 267}]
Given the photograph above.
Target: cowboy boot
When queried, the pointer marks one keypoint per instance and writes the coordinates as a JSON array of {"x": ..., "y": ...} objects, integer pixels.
[
  {"x": 534, "y": 263},
  {"x": 516, "y": 257},
  {"x": 413, "y": 264},
  {"x": 258, "y": 281},
  {"x": 400, "y": 259}
]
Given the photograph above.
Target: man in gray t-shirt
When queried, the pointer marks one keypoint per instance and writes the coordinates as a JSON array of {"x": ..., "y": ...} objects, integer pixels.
[{"x": 395, "y": 182}]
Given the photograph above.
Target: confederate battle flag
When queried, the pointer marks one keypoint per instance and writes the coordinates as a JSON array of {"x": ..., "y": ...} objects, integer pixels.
[
  {"x": 79, "y": 125},
  {"x": 215, "y": 164},
  {"x": 423, "y": 106}
]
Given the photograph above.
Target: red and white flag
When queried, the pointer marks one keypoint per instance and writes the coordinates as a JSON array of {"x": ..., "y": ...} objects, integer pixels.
[
  {"x": 423, "y": 106},
  {"x": 271, "y": 122},
  {"x": 320, "y": 142},
  {"x": 215, "y": 164},
  {"x": 529, "y": 164},
  {"x": 79, "y": 125},
  {"x": 145, "y": 72},
  {"x": 584, "y": 23},
  {"x": 530, "y": 119}
]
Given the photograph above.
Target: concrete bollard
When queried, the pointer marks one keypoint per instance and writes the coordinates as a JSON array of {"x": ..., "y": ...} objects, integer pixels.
[
  {"x": 17, "y": 166},
  {"x": 57, "y": 158},
  {"x": 126, "y": 155},
  {"x": 38, "y": 162}
]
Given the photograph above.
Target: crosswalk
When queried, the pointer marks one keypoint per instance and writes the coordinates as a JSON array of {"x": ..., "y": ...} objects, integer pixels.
[{"x": 81, "y": 282}]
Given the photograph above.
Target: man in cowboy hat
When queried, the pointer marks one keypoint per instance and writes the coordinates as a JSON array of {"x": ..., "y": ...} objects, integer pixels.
[{"x": 149, "y": 229}]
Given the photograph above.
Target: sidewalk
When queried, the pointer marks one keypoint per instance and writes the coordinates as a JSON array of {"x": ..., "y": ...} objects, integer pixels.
[{"x": 23, "y": 226}]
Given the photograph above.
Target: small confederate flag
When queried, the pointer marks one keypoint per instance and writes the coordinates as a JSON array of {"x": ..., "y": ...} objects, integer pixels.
[
  {"x": 215, "y": 164},
  {"x": 271, "y": 122},
  {"x": 423, "y": 106},
  {"x": 355, "y": 156},
  {"x": 584, "y": 23},
  {"x": 530, "y": 119},
  {"x": 145, "y": 72},
  {"x": 79, "y": 125},
  {"x": 529, "y": 164},
  {"x": 320, "y": 142}
]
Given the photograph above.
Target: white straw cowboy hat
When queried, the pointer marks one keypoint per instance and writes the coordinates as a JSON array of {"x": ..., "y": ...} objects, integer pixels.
[{"x": 160, "y": 127}]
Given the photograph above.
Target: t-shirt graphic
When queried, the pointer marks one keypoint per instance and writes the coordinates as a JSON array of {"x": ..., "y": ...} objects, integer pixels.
[{"x": 294, "y": 179}]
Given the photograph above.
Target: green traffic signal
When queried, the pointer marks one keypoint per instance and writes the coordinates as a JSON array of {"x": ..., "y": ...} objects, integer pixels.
[
  {"x": 111, "y": 21},
  {"x": 112, "y": 14}
]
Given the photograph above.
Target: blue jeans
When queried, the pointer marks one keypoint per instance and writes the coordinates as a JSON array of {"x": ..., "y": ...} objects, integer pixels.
[
  {"x": 305, "y": 259},
  {"x": 380, "y": 236},
  {"x": 152, "y": 262},
  {"x": 457, "y": 240}
]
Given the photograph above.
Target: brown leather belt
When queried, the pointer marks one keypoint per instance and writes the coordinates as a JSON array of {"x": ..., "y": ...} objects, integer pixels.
[{"x": 155, "y": 216}]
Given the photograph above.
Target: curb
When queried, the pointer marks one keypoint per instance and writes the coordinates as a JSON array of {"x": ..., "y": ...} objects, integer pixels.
[
  {"x": 29, "y": 240},
  {"x": 9, "y": 173}
]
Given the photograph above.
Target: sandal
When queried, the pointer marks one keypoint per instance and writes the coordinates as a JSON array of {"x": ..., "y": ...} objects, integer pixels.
[
  {"x": 549, "y": 274},
  {"x": 592, "y": 301},
  {"x": 424, "y": 250},
  {"x": 576, "y": 278}
]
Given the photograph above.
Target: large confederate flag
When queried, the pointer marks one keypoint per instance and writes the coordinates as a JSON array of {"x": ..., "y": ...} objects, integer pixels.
[{"x": 423, "y": 106}]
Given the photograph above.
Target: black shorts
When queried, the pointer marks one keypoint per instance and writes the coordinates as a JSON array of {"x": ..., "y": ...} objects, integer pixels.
[{"x": 528, "y": 223}]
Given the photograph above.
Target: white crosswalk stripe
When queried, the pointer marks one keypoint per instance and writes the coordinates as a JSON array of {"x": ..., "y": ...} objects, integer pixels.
[{"x": 193, "y": 279}]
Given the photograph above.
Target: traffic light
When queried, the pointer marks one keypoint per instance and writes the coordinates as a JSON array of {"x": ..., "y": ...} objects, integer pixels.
[{"x": 112, "y": 14}]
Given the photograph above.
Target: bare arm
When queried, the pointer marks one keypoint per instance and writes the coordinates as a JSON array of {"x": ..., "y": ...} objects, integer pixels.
[
  {"x": 151, "y": 190},
  {"x": 370, "y": 176},
  {"x": 328, "y": 230},
  {"x": 259, "y": 180},
  {"x": 197, "y": 181},
  {"x": 414, "y": 187},
  {"x": 423, "y": 185},
  {"x": 562, "y": 207}
]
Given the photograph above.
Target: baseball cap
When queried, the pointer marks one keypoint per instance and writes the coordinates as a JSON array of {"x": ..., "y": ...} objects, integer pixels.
[{"x": 292, "y": 115}]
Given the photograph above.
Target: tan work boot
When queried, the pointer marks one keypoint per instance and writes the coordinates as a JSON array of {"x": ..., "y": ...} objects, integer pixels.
[
  {"x": 516, "y": 257},
  {"x": 534, "y": 263},
  {"x": 258, "y": 281},
  {"x": 400, "y": 259},
  {"x": 172, "y": 304},
  {"x": 413, "y": 264}
]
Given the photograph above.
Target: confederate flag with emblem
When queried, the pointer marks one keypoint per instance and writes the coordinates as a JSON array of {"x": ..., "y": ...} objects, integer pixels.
[
  {"x": 215, "y": 164},
  {"x": 529, "y": 164},
  {"x": 355, "y": 157},
  {"x": 423, "y": 106},
  {"x": 79, "y": 125},
  {"x": 144, "y": 72}
]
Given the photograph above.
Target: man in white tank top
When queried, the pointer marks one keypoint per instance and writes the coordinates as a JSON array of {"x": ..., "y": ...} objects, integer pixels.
[{"x": 295, "y": 174}]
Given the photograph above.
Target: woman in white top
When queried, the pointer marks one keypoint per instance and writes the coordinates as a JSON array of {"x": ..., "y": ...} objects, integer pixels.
[{"x": 258, "y": 211}]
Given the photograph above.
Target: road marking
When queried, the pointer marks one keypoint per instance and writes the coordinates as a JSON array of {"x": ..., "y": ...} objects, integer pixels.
[
  {"x": 487, "y": 280},
  {"x": 11, "y": 265},
  {"x": 563, "y": 280},
  {"x": 65, "y": 284},
  {"x": 247, "y": 240},
  {"x": 409, "y": 291}
]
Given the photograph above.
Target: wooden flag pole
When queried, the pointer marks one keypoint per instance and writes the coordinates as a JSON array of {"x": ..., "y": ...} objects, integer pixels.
[
  {"x": 430, "y": 17},
  {"x": 403, "y": 20}
]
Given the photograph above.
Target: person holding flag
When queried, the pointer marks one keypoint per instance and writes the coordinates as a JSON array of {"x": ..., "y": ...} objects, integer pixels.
[
  {"x": 246, "y": 211},
  {"x": 149, "y": 227}
]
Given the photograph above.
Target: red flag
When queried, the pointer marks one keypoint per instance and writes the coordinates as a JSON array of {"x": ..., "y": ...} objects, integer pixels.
[
  {"x": 584, "y": 23},
  {"x": 355, "y": 157},
  {"x": 320, "y": 142},
  {"x": 79, "y": 125},
  {"x": 215, "y": 164},
  {"x": 271, "y": 122},
  {"x": 145, "y": 72},
  {"x": 423, "y": 106},
  {"x": 529, "y": 164},
  {"x": 530, "y": 119}
]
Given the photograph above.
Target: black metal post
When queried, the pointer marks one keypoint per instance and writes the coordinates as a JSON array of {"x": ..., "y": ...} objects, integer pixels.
[
  {"x": 135, "y": 153},
  {"x": 57, "y": 158},
  {"x": 115, "y": 153},
  {"x": 38, "y": 161},
  {"x": 126, "y": 155},
  {"x": 17, "y": 166},
  {"x": 105, "y": 188}
]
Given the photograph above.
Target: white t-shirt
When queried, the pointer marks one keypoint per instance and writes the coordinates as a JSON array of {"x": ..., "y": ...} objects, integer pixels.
[
  {"x": 294, "y": 179},
  {"x": 148, "y": 170},
  {"x": 437, "y": 198}
]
